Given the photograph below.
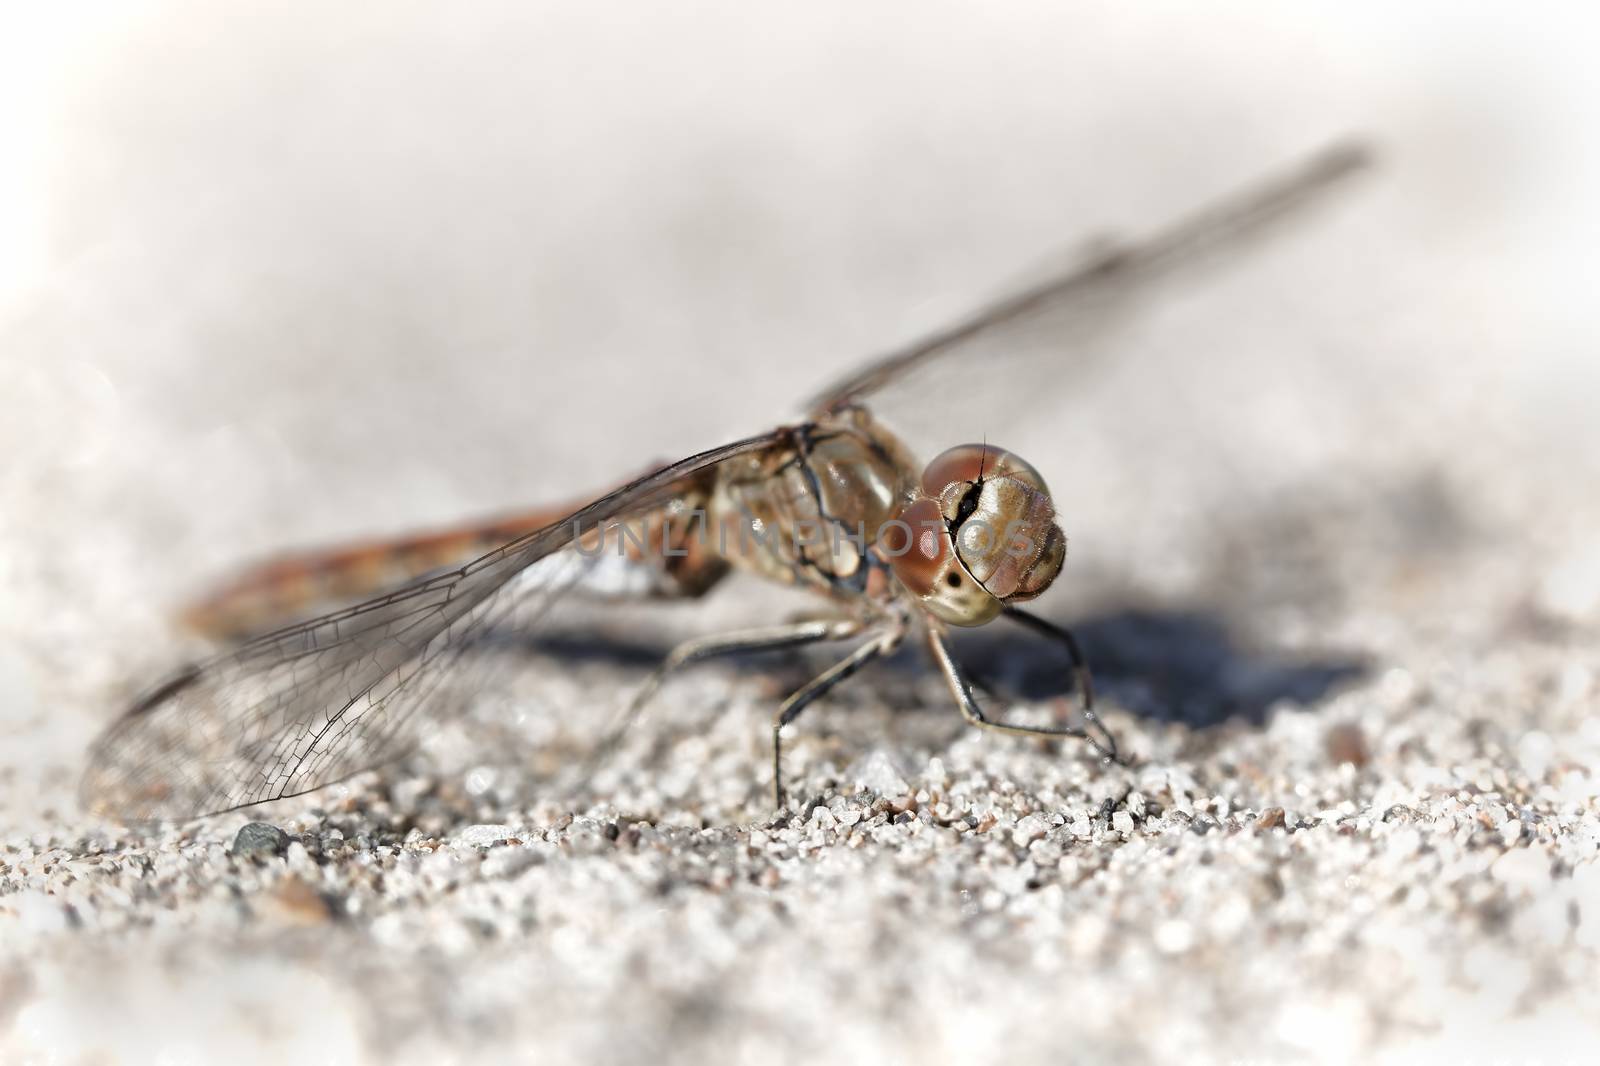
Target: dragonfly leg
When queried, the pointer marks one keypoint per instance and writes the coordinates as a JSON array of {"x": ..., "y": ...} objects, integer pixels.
[
  {"x": 878, "y": 646},
  {"x": 961, "y": 688},
  {"x": 1095, "y": 731},
  {"x": 770, "y": 638}
]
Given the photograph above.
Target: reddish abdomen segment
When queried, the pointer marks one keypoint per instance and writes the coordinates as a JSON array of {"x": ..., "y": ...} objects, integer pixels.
[
  {"x": 302, "y": 584},
  {"x": 664, "y": 556}
]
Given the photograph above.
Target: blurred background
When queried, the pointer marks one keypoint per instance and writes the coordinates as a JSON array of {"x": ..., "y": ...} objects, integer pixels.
[{"x": 282, "y": 274}]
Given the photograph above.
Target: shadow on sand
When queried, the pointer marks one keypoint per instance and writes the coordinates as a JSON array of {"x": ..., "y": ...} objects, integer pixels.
[
  {"x": 1167, "y": 666},
  {"x": 1162, "y": 665}
]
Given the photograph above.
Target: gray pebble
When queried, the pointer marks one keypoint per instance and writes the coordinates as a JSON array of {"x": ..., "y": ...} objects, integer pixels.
[{"x": 260, "y": 840}]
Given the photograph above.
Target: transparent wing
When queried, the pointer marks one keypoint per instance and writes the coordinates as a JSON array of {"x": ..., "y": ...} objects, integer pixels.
[
  {"x": 293, "y": 587},
  {"x": 1114, "y": 273},
  {"x": 311, "y": 704}
]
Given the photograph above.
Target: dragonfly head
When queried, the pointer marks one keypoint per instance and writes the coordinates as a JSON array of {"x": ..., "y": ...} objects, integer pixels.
[{"x": 980, "y": 534}]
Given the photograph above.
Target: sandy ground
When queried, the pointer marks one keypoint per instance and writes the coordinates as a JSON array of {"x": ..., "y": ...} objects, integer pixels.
[{"x": 1330, "y": 504}]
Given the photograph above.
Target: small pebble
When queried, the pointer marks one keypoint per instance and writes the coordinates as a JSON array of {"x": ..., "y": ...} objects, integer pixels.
[
  {"x": 1271, "y": 818},
  {"x": 482, "y": 836},
  {"x": 1346, "y": 743},
  {"x": 1523, "y": 870},
  {"x": 1028, "y": 829},
  {"x": 259, "y": 840},
  {"x": 295, "y": 902},
  {"x": 878, "y": 773}
]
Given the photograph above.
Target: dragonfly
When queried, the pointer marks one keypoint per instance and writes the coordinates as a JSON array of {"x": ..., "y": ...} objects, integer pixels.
[{"x": 833, "y": 503}]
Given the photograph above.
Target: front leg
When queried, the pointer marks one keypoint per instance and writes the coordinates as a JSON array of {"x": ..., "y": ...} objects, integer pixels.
[{"x": 961, "y": 688}]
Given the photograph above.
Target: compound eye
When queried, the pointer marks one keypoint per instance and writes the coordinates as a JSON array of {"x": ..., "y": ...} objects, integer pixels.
[
  {"x": 1036, "y": 576},
  {"x": 959, "y": 465},
  {"x": 952, "y": 472},
  {"x": 918, "y": 548}
]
